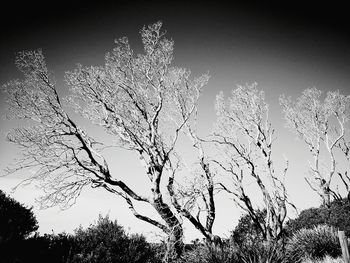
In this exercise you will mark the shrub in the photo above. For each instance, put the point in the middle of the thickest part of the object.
(308, 218)
(313, 243)
(338, 216)
(262, 252)
(246, 230)
(203, 253)
(107, 242)
(17, 222)
(47, 248)
(250, 245)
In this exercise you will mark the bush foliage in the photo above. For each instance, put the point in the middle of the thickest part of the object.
(315, 243)
(246, 230)
(259, 252)
(16, 221)
(203, 253)
(107, 242)
(338, 216)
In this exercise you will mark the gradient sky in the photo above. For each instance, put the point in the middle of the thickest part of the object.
(285, 49)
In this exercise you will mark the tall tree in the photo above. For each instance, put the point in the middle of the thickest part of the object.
(244, 136)
(322, 125)
(139, 99)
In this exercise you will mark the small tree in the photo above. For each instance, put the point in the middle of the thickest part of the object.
(247, 231)
(106, 241)
(244, 137)
(17, 222)
(322, 125)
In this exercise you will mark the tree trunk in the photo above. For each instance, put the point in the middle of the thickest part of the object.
(175, 234)
(325, 193)
(174, 246)
(344, 246)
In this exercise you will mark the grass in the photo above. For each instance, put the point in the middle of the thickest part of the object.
(315, 243)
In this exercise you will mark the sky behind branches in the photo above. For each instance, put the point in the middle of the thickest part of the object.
(285, 49)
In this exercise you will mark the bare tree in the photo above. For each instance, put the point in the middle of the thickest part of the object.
(322, 126)
(139, 99)
(244, 137)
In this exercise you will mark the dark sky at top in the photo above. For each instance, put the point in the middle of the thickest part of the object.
(77, 25)
(284, 46)
(244, 40)
(20, 17)
(21, 23)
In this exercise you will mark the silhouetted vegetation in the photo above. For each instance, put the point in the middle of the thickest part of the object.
(16, 220)
(46, 248)
(105, 241)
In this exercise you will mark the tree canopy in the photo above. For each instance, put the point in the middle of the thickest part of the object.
(322, 123)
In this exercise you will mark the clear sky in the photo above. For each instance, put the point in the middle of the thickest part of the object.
(284, 48)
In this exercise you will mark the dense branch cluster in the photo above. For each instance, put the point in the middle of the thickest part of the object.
(244, 136)
(322, 125)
